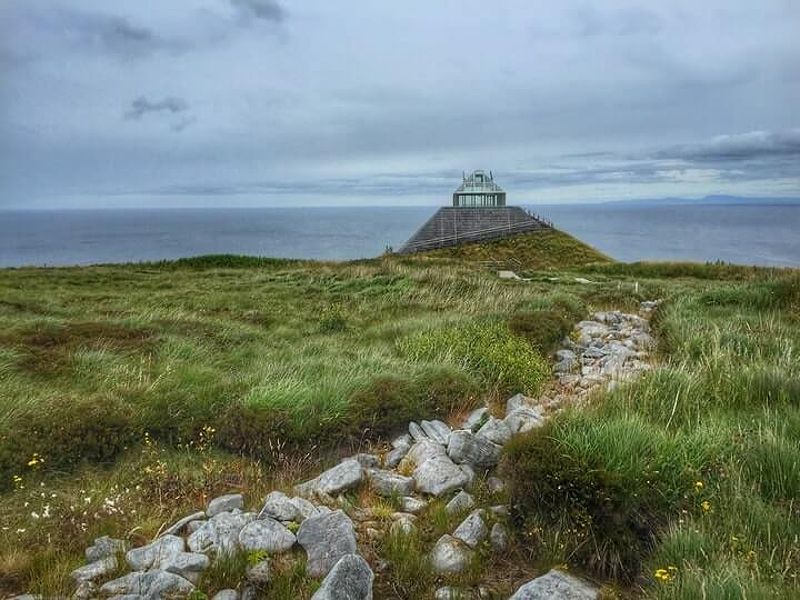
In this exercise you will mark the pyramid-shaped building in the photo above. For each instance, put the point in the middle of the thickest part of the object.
(478, 213)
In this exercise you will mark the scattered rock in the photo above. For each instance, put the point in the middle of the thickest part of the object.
(280, 507)
(412, 505)
(450, 555)
(467, 447)
(305, 509)
(498, 537)
(151, 555)
(524, 419)
(86, 590)
(387, 483)
(344, 476)
(266, 534)
(439, 475)
(438, 431)
(496, 431)
(326, 538)
(225, 503)
(349, 579)
(394, 456)
(476, 418)
(226, 595)
(472, 530)
(516, 402)
(150, 585)
(367, 461)
(104, 547)
(556, 585)
(462, 501)
(404, 441)
(448, 592)
(416, 432)
(259, 574)
(188, 565)
(495, 485)
(220, 533)
(96, 569)
(423, 450)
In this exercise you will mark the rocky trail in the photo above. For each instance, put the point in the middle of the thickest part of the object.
(321, 521)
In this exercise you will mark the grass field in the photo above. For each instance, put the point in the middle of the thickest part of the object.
(130, 393)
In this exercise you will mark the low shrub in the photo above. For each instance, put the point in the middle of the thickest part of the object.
(608, 485)
(63, 434)
(503, 360)
(544, 329)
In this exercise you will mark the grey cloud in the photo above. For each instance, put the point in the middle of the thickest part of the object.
(267, 10)
(111, 34)
(142, 106)
(743, 146)
(620, 22)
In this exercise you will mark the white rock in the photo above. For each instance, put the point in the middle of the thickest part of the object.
(224, 503)
(220, 533)
(467, 447)
(516, 402)
(266, 534)
(146, 557)
(524, 419)
(450, 555)
(495, 485)
(403, 441)
(349, 579)
(387, 483)
(104, 547)
(96, 569)
(422, 451)
(150, 585)
(260, 573)
(189, 565)
(438, 431)
(280, 507)
(412, 505)
(498, 537)
(344, 476)
(394, 456)
(326, 538)
(305, 509)
(556, 585)
(496, 431)
(476, 418)
(439, 475)
(462, 501)
(416, 432)
(472, 530)
(226, 595)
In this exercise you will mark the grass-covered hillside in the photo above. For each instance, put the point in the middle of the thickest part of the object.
(131, 393)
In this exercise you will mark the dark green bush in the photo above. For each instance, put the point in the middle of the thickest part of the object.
(391, 401)
(606, 488)
(544, 329)
(65, 434)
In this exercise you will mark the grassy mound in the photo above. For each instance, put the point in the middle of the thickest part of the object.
(540, 250)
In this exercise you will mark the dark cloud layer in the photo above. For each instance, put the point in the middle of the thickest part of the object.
(244, 101)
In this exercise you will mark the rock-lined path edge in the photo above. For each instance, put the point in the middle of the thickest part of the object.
(431, 460)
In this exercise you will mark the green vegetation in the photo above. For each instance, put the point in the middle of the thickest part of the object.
(130, 394)
(689, 476)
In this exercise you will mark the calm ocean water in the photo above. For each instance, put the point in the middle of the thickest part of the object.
(746, 234)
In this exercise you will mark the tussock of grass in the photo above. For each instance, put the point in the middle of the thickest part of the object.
(688, 476)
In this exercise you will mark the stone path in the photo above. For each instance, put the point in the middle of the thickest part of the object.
(430, 461)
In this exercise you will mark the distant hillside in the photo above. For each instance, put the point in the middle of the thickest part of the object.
(552, 249)
(712, 199)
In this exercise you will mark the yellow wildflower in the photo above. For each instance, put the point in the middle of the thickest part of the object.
(705, 505)
(35, 460)
(698, 485)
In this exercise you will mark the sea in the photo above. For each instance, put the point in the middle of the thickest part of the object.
(750, 234)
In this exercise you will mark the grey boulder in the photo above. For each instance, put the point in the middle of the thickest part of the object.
(496, 431)
(450, 555)
(349, 579)
(344, 476)
(93, 570)
(472, 530)
(220, 533)
(150, 585)
(462, 501)
(151, 555)
(472, 449)
(387, 483)
(556, 585)
(104, 547)
(224, 503)
(439, 475)
(266, 534)
(326, 539)
(438, 431)
(280, 507)
(498, 537)
(226, 595)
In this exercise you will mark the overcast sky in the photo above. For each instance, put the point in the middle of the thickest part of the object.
(261, 102)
